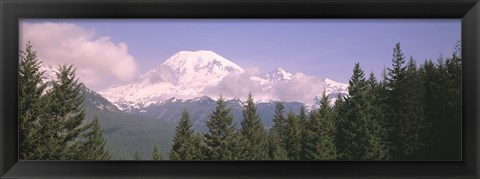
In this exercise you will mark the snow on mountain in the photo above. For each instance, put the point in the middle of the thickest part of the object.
(184, 75)
(189, 75)
(278, 75)
(335, 87)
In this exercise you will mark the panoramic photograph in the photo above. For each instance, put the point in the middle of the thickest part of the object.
(240, 89)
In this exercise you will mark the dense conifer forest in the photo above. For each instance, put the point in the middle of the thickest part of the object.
(412, 113)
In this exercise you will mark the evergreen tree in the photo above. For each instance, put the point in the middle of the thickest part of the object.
(452, 143)
(182, 147)
(63, 123)
(156, 154)
(360, 129)
(199, 147)
(30, 103)
(293, 140)
(340, 111)
(320, 133)
(253, 133)
(414, 125)
(276, 151)
(93, 147)
(220, 139)
(395, 85)
(280, 123)
(304, 124)
(443, 107)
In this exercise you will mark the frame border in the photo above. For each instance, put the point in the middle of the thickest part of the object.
(11, 11)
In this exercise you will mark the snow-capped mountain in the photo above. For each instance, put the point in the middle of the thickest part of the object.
(187, 75)
(278, 75)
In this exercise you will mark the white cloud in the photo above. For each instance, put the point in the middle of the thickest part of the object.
(100, 62)
(301, 87)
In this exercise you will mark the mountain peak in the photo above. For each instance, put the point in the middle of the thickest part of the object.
(200, 59)
(279, 74)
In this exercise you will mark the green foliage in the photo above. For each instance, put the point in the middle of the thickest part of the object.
(320, 133)
(93, 147)
(156, 154)
(360, 129)
(221, 140)
(30, 103)
(53, 123)
(280, 123)
(293, 140)
(253, 133)
(276, 151)
(183, 148)
(137, 156)
(62, 125)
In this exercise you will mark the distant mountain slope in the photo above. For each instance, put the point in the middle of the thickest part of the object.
(125, 132)
(200, 109)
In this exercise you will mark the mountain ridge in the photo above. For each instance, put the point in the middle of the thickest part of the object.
(193, 74)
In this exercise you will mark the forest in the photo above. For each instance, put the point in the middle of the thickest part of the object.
(412, 113)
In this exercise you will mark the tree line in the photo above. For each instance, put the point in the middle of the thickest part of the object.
(413, 113)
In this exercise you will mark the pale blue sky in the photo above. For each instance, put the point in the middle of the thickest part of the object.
(325, 48)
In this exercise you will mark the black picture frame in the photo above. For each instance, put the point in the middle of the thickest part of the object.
(11, 11)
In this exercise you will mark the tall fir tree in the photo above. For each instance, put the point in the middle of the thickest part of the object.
(340, 111)
(253, 133)
(182, 147)
(361, 130)
(30, 103)
(395, 86)
(320, 133)
(280, 123)
(452, 144)
(293, 140)
(62, 126)
(414, 127)
(304, 124)
(93, 145)
(221, 138)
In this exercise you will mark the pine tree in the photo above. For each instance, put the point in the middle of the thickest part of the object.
(30, 103)
(395, 85)
(280, 123)
(360, 129)
(304, 124)
(276, 151)
(93, 147)
(63, 123)
(340, 111)
(452, 143)
(293, 140)
(182, 147)
(414, 125)
(253, 133)
(156, 154)
(320, 133)
(220, 139)
(443, 107)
